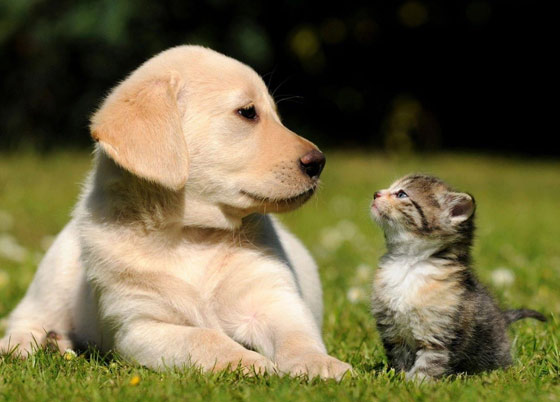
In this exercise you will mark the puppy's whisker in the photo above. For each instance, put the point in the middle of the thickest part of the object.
(290, 98)
(270, 74)
(280, 85)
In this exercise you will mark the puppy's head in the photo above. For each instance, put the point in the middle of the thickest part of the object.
(193, 120)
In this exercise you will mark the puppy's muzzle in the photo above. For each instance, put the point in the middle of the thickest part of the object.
(312, 163)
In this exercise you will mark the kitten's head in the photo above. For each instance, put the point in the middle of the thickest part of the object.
(425, 209)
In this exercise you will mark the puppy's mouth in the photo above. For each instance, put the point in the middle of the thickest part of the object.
(297, 199)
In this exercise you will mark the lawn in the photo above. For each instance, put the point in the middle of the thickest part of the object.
(517, 254)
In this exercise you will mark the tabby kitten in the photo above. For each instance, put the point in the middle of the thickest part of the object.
(433, 315)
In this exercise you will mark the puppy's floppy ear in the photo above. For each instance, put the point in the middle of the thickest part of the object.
(139, 127)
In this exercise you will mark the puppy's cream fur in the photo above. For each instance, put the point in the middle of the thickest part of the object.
(170, 258)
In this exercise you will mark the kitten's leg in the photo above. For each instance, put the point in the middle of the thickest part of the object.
(399, 356)
(429, 364)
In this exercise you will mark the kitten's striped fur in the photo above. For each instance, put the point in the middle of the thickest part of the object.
(433, 315)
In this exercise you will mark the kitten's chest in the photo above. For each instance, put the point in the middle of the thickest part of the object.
(401, 284)
(412, 300)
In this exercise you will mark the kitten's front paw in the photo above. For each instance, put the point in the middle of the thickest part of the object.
(418, 376)
(316, 365)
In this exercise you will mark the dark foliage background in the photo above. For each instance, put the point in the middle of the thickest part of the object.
(399, 75)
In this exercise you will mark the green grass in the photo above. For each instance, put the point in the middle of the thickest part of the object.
(518, 219)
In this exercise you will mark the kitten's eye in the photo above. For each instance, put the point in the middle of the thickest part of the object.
(402, 194)
(248, 112)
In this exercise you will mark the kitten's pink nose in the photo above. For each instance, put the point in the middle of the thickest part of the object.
(377, 194)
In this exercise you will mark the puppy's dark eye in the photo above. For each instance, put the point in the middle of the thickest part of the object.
(402, 194)
(249, 112)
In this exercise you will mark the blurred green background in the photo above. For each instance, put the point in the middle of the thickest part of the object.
(398, 75)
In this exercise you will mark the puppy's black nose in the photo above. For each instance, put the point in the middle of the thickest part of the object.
(312, 163)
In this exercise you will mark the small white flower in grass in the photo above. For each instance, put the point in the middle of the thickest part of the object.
(11, 249)
(364, 273)
(502, 277)
(356, 294)
(331, 238)
(69, 354)
(6, 221)
(348, 229)
(4, 278)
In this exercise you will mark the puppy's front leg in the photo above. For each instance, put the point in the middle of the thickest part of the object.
(159, 345)
(292, 338)
(296, 353)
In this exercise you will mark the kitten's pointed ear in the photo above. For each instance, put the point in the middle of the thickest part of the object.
(461, 206)
(139, 127)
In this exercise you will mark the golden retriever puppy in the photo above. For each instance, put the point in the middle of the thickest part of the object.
(170, 258)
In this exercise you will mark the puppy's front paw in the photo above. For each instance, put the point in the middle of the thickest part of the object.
(19, 345)
(316, 365)
(24, 344)
(250, 362)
